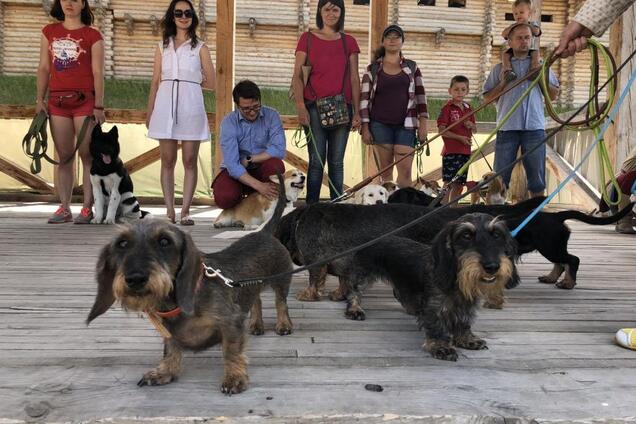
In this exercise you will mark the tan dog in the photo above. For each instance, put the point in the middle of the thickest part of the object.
(429, 187)
(390, 187)
(493, 193)
(256, 209)
(371, 194)
(518, 188)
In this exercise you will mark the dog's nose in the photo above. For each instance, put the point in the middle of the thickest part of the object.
(302, 178)
(379, 202)
(136, 280)
(490, 267)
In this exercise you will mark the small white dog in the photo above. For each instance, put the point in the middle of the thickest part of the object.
(256, 209)
(371, 194)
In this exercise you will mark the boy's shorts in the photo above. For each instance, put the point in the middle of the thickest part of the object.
(452, 163)
(59, 108)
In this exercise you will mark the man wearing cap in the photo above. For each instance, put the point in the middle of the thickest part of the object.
(525, 128)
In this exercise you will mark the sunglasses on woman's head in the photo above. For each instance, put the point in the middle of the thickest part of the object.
(188, 13)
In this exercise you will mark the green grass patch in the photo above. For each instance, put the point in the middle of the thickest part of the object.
(133, 94)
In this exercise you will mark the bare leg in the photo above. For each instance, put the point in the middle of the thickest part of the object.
(405, 166)
(384, 153)
(190, 156)
(86, 158)
(63, 132)
(168, 150)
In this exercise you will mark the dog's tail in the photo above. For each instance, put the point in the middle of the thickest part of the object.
(272, 224)
(594, 220)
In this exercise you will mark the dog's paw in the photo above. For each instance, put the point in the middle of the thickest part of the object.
(547, 279)
(156, 378)
(445, 353)
(96, 221)
(109, 221)
(472, 343)
(337, 295)
(233, 384)
(284, 328)
(257, 329)
(355, 314)
(566, 284)
(308, 295)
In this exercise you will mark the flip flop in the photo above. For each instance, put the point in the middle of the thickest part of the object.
(626, 337)
(186, 220)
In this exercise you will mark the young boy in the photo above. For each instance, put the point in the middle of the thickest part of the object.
(521, 10)
(457, 141)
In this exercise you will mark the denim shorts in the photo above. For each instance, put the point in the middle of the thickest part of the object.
(392, 134)
(452, 163)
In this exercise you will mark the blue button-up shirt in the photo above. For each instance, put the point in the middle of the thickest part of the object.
(529, 115)
(241, 138)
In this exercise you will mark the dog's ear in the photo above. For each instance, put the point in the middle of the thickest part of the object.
(274, 178)
(97, 131)
(188, 274)
(105, 274)
(113, 131)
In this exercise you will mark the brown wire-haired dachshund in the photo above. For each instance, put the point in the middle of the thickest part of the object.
(154, 267)
(440, 284)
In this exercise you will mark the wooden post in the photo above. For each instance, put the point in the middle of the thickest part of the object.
(225, 24)
(379, 10)
(626, 125)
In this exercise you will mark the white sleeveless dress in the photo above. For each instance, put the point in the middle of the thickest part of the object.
(179, 112)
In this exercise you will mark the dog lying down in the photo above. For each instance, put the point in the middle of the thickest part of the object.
(440, 284)
(256, 209)
(111, 183)
(154, 267)
(371, 194)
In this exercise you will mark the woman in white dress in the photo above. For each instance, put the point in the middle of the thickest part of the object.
(176, 112)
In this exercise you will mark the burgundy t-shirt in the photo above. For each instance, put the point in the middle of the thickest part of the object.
(391, 98)
(328, 63)
(450, 114)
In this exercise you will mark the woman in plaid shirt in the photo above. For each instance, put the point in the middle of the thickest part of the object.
(393, 106)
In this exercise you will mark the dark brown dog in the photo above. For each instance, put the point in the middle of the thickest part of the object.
(154, 267)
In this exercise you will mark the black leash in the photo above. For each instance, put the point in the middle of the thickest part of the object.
(260, 280)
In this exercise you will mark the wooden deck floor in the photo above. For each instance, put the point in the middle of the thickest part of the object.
(551, 351)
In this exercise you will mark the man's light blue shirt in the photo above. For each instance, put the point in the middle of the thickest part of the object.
(241, 138)
(529, 115)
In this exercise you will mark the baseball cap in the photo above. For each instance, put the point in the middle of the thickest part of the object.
(393, 28)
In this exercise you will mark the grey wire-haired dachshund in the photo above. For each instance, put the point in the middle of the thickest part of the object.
(154, 266)
(440, 284)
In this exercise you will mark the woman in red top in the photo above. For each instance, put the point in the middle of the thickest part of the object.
(329, 76)
(71, 69)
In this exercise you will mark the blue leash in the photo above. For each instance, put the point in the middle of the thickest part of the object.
(599, 136)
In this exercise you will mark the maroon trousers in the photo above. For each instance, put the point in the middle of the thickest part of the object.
(228, 192)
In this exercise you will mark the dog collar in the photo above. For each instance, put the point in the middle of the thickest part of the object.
(169, 314)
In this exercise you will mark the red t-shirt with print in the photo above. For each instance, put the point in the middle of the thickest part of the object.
(450, 114)
(70, 57)
(327, 59)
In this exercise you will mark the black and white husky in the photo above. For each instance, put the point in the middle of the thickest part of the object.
(110, 180)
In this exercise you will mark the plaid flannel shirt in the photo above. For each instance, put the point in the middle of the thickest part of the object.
(416, 107)
(598, 15)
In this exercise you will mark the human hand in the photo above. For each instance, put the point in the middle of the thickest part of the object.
(269, 190)
(41, 106)
(470, 125)
(466, 140)
(100, 116)
(367, 137)
(422, 136)
(303, 115)
(355, 121)
(573, 40)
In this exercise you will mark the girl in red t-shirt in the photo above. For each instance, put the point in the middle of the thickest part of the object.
(329, 76)
(71, 70)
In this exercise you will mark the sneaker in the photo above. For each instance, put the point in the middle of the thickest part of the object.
(61, 216)
(85, 216)
(626, 337)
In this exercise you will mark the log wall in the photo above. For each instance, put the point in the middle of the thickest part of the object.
(444, 41)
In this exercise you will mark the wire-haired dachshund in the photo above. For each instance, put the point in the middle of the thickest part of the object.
(154, 267)
(440, 284)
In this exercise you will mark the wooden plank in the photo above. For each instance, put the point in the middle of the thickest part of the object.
(225, 27)
(25, 177)
(584, 193)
